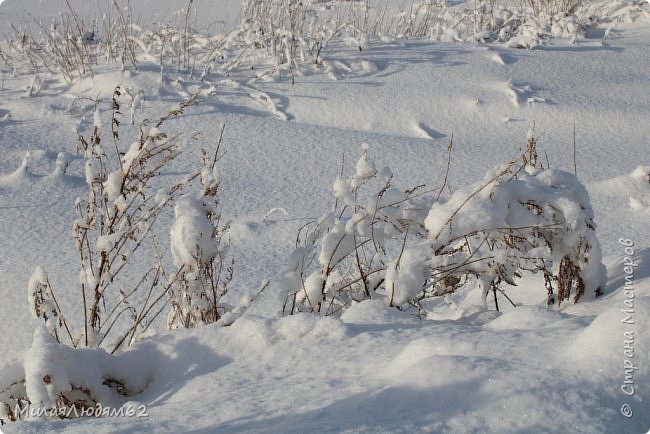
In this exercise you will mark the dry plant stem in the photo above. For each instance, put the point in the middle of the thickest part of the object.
(186, 38)
(80, 30)
(360, 268)
(115, 123)
(127, 49)
(507, 230)
(444, 182)
(575, 166)
(374, 214)
(60, 313)
(217, 157)
(341, 168)
(494, 292)
(124, 300)
(506, 296)
(144, 314)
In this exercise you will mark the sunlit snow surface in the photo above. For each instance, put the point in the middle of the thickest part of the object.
(525, 370)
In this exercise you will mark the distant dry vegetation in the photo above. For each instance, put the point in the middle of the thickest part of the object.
(279, 37)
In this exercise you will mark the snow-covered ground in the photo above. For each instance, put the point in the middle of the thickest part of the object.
(526, 369)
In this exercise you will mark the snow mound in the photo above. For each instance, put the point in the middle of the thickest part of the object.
(600, 349)
(635, 186)
(640, 191)
(5, 115)
(298, 327)
(30, 170)
(375, 312)
(418, 351)
(527, 318)
(20, 176)
(53, 371)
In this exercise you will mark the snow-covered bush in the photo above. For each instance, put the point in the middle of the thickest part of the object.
(200, 253)
(283, 35)
(407, 246)
(525, 24)
(491, 21)
(119, 297)
(342, 257)
(69, 46)
(72, 46)
(551, 8)
(518, 218)
(115, 222)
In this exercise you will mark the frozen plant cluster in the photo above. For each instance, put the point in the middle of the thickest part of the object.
(199, 250)
(115, 226)
(407, 247)
(116, 223)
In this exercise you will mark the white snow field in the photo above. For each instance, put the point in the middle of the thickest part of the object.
(466, 367)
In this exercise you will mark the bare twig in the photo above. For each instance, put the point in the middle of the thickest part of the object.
(444, 182)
